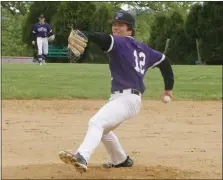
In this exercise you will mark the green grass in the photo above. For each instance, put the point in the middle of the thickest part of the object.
(28, 81)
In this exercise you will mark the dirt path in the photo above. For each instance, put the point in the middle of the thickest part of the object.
(182, 139)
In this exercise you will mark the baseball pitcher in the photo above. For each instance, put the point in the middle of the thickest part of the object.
(41, 34)
(129, 61)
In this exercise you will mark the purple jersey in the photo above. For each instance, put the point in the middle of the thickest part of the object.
(129, 61)
(42, 30)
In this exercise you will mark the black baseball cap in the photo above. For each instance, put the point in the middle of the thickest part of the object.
(125, 17)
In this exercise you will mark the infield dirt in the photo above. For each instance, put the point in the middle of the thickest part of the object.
(182, 139)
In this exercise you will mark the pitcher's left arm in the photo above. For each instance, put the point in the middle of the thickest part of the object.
(168, 76)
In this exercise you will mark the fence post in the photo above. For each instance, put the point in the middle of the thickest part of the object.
(167, 45)
(198, 51)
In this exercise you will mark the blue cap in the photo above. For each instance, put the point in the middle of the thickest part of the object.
(41, 16)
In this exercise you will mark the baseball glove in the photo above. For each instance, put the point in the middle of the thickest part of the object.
(51, 38)
(77, 42)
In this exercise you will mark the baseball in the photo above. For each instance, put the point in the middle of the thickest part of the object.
(166, 99)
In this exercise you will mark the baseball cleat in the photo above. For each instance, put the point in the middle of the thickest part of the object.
(44, 62)
(75, 160)
(127, 163)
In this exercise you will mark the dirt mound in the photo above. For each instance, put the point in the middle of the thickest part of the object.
(182, 139)
(62, 171)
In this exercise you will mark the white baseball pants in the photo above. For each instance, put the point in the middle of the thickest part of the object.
(121, 106)
(42, 44)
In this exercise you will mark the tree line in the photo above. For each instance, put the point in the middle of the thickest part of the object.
(193, 29)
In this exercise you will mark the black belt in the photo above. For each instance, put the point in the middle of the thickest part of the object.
(133, 91)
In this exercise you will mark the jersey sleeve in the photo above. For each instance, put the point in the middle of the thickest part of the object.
(49, 30)
(101, 39)
(155, 58)
(116, 43)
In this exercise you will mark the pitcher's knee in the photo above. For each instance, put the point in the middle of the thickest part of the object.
(102, 122)
(108, 136)
(96, 123)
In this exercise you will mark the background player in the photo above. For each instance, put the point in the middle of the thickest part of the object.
(41, 33)
(129, 60)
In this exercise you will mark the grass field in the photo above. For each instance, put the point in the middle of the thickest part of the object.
(29, 81)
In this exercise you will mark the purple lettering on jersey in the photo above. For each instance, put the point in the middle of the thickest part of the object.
(41, 30)
(129, 61)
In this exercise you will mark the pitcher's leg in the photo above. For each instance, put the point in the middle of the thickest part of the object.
(114, 148)
(109, 116)
(91, 140)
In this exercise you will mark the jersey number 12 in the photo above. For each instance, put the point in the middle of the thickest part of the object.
(140, 60)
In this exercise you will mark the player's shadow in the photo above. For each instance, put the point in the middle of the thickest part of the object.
(63, 171)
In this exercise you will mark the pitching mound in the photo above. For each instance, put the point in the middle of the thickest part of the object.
(62, 171)
(182, 139)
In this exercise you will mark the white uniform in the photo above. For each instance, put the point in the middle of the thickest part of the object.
(42, 44)
(41, 31)
(121, 107)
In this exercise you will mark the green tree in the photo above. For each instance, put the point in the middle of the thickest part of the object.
(178, 49)
(143, 26)
(72, 14)
(100, 23)
(155, 6)
(170, 25)
(12, 44)
(210, 29)
(191, 30)
(101, 17)
(191, 23)
(16, 7)
(204, 23)
(159, 31)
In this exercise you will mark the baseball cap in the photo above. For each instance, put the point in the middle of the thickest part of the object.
(125, 17)
(41, 16)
